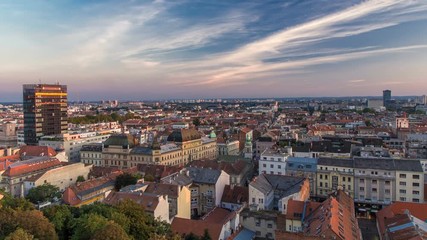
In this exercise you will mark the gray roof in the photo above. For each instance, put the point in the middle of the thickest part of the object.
(204, 175)
(94, 147)
(408, 165)
(141, 150)
(337, 162)
(281, 184)
(124, 140)
(287, 185)
(262, 184)
(374, 163)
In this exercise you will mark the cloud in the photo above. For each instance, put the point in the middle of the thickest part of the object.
(255, 57)
(357, 81)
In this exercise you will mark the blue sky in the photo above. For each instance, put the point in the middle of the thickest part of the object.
(132, 50)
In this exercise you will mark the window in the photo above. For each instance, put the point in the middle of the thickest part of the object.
(402, 183)
(415, 184)
(402, 175)
(279, 166)
(416, 176)
(402, 191)
(348, 179)
(362, 189)
(374, 181)
(374, 189)
(403, 199)
(326, 185)
(321, 184)
(321, 176)
(387, 183)
(362, 180)
(272, 165)
(264, 165)
(416, 192)
(343, 179)
(387, 191)
(415, 200)
(253, 200)
(269, 225)
(326, 177)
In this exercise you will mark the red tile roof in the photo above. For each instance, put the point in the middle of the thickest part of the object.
(183, 227)
(35, 151)
(148, 201)
(236, 194)
(418, 210)
(33, 165)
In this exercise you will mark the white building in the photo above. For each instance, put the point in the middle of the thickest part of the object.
(72, 143)
(61, 177)
(273, 161)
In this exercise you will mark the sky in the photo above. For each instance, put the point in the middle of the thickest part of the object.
(138, 50)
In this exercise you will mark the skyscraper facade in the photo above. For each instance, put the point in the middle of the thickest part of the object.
(386, 97)
(45, 111)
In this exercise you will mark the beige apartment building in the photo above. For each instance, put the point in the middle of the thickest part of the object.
(334, 174)
(123, 151)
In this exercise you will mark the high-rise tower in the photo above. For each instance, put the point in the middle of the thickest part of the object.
(45, 111)
(386, 97)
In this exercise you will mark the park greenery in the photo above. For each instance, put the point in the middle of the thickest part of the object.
(125, 221)
(43, 193)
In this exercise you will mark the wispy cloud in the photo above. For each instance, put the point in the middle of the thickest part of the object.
(357, 81)
(253, 57)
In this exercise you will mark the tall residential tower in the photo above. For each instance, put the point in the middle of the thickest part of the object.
(45, 111)
(386, 97)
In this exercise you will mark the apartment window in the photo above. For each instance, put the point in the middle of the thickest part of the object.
(279, 166)
(403, 199)
(269, 225)
(321, 176)
(415, 184)
(402, 191)
(253, 200)
(343, 179)
(374, 189)
(374, 181)
(362, 180)
(264, 165)
(387, 183)
(416, 192)
(415, 200)
(402, 175)
(402, 183)
(387, 191)
(362, 188)
(321, 184)
(326, 177)
(271, 165)
(349, 187)
(416, 176)
(348, 179)
(326, 184)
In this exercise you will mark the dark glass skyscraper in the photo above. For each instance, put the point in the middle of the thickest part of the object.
(386, 97)
(45, 111)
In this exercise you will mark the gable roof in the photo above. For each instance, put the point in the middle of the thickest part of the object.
(32, 165)
(235, 194)
(204, 175)
(148, 201)
(36, 151)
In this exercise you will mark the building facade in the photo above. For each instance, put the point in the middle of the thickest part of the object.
(45, 111)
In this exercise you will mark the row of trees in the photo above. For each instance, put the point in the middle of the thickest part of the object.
(125, 221)
(98, 118)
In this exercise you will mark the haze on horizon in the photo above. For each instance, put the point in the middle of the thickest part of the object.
(134, 50)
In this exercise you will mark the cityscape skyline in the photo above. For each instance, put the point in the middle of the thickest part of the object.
(191, 49)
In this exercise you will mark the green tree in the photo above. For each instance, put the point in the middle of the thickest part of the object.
(206, 235)
(85, 226)
(191, 236)
(149, 178)
(141, 224)
(45, 192)
(19, 234)
(196, 122)
(15, 203)
(124, 180)
(111, 231)
(60, 216)
(36, 224)
(80, 179)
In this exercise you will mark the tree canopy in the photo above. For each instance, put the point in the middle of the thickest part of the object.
(43, 193)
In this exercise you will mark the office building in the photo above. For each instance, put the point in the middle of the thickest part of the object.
(386, 97)
(45, 111)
